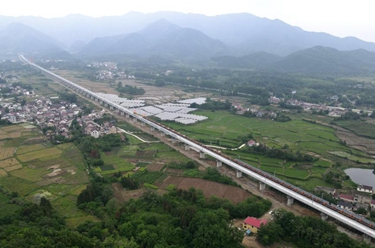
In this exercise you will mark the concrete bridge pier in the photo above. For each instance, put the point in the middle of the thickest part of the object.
(101, 102)
(162, 134)
(219, 163)
(290, 200)
(111, 107)
(262, 186)
(366, 239)
(202, 155)
(143, 124)
(127, 116)
(323, 216)
(187, 147)
(152, 129)
(121, 113)
(238, 174)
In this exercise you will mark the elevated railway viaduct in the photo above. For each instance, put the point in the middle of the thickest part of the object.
(293, 193)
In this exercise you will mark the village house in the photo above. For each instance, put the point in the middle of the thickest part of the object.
(251, 143)
(345, 205)
(362, 198)
(372, 204)
(346, 197)
(364, 188)
(326, 190)
(95, 134)
(253, 224)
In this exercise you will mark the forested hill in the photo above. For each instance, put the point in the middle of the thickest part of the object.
(315, 61)
(19, 38)
(161, 38)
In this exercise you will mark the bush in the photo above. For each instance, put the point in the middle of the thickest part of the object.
(151, 186)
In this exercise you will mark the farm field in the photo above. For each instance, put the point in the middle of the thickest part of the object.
(358, 127)
(33, 167)
(126, 158)
(225, 129)
(233, 194)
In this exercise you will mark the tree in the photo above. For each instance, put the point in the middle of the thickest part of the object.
(270, 233)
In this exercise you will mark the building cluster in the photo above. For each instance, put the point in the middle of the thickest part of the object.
(109, 70)
(333, 111)
(360, 199)
(7, 90)
(257, 112)
(90, 127)
(43, 112)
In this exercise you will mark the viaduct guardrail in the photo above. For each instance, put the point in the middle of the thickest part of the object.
(349, 218)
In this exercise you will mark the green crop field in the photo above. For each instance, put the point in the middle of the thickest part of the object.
(225, 129)
(361, 128)
(47, 152)
(352, 157)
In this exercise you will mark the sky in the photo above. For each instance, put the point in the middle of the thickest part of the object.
(338, 17)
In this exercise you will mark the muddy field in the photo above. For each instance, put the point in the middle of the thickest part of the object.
(360, 143)
(123, 195)
(155, 166)
(233, 194)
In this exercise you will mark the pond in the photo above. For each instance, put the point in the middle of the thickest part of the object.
(361, 176)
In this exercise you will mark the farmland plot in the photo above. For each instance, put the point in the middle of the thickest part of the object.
(6, 152)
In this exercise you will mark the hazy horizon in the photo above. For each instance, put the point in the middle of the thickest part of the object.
(339, 18)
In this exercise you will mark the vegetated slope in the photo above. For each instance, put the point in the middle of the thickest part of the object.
(328, 61)
(161, 38)
(256, 60)
(19, 38)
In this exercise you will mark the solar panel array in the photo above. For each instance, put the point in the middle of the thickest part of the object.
(124, 102)
(178, 112)
(199, 100)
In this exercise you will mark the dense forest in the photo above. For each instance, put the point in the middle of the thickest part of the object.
(178, 219)
(304, 232)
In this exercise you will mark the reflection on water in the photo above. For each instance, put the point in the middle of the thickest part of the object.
(361, 176)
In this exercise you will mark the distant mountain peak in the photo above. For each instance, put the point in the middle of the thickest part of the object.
(161, 25)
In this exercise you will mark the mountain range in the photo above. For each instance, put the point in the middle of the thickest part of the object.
(232, 40)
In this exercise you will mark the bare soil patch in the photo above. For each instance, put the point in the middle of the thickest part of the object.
(233, 194)
(45, 182)
(155, 166)
(54, 173)
(174, 171)
(145, 153)
(360, 143)
(123, 195)
(36, 140)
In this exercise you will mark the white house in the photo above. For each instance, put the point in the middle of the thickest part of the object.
(95, 134)
(364, 188)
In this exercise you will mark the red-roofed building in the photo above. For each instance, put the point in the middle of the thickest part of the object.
(251, 143)
(373, 204)
(347, 198)
(253, 224)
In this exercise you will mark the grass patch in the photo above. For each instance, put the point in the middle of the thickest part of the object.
(352, 157)
(32, 175)
(107, 167)
(16, 184)
(6, 208)
(29, 148)
(52, 152)
(151, 186)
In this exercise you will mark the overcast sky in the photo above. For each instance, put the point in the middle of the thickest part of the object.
(338, 17)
